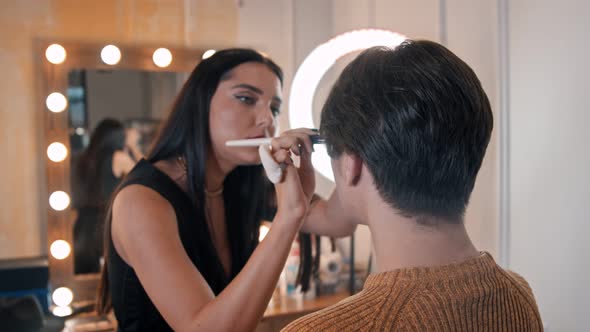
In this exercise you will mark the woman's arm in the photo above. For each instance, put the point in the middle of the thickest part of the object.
(145, 234)
(324, 218)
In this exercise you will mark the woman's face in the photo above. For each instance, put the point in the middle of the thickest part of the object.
(244, 105)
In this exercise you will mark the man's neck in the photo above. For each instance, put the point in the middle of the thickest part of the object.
(401, 242)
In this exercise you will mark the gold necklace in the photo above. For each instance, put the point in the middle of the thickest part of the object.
(212, 193)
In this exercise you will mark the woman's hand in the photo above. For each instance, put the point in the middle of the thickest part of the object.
(297, 186)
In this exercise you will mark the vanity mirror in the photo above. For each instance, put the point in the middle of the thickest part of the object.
(126, 91)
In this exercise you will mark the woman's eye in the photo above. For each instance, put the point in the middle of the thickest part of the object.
(275, 111)
(246, 100)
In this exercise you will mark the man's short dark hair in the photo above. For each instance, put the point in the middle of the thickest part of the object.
(420, 120)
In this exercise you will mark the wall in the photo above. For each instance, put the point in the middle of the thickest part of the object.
(193, 23)
(471, 33)
(549, 159)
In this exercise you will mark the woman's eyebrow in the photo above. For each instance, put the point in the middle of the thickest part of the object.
(248, 87)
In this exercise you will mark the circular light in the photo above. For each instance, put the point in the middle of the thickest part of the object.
(62, 311)
(57, 152)
(56, 102)
(110, 54)
(263, 231)
(59, 200)
(60, 249)
(80, 131)
(62, 296)
(208, 54)
(312, 70)
(55, 54)
(162, 57)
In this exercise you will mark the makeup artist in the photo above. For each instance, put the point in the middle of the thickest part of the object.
(181, 238)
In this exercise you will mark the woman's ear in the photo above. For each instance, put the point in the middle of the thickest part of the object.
(353, 166)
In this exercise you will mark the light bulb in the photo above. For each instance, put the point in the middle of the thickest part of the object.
(60, 249)
(62, 296)
(162, 57)
(55, 54)
(208, 54)
(110, 54)
(56, 102)
(59, 200)
(57, 152)
(62, 311)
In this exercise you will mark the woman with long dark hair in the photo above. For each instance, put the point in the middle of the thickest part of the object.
(96, 174)
(181, 236)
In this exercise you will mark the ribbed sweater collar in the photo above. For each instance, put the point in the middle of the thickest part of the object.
(479, 265)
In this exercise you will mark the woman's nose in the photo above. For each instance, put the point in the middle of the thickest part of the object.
(265, 117)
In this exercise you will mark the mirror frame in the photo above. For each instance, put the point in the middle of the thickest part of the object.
(55, 126)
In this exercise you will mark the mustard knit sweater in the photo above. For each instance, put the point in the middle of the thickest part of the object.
(475, 295)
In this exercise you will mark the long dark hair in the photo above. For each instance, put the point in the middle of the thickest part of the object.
(186, 134)
(108, 137)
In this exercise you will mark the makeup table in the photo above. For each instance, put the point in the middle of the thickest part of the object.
(278, 314)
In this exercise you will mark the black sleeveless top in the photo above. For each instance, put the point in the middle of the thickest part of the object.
(133, 308)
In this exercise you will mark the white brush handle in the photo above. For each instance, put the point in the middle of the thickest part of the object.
(315, 139)
(249, 142)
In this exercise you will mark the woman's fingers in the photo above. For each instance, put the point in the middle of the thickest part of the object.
(282, 156)
(286, 142)
(298, 142)
(294, 140)
(303, 134)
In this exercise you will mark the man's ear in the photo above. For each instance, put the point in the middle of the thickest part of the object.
(353, 166)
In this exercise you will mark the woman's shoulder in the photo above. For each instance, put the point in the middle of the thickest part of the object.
(149, 175)
(141, 198)
(137, 209)
(147, 184)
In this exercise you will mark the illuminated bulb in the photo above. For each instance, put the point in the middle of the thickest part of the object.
(59, 200)
(60, 249)
(62, 296)
(263, 231)
(208, 54)
(162, 57)
(80, 131)
(55, 54)
(61, 311)
(56, 102)
(110, 54)
(57, 152)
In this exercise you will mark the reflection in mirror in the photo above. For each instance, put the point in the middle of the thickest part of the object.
(113, 118)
